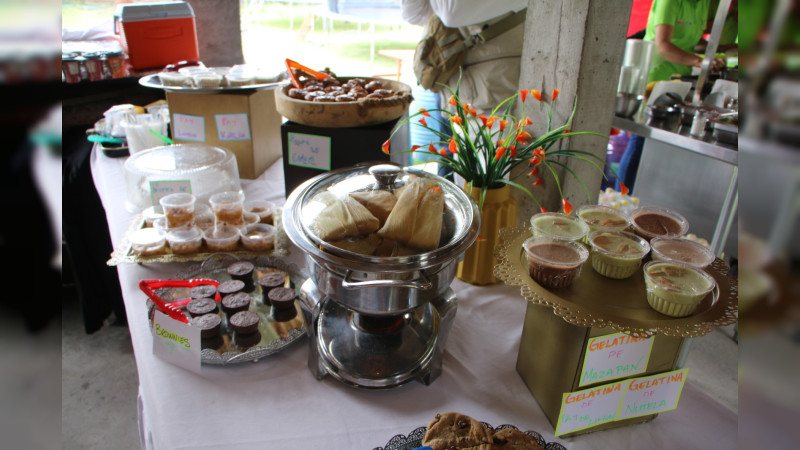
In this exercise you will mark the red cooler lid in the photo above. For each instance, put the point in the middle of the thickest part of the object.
(149, 11)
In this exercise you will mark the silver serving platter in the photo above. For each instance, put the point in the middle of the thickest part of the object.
(153, 81)
(275, 335)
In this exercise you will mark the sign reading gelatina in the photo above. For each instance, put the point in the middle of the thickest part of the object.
(620, 400)
(614, 356)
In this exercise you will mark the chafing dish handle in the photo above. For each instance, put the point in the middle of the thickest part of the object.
(422, 283)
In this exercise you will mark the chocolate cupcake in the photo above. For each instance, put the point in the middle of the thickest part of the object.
(201, 306)
(231, 304)
(244, 322)
(282, 298)
(243, 271)
(230, 287)
(209, 325)
(203, 291)
(270, 281)
(246, 340)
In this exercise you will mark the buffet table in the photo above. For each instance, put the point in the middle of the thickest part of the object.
(277, 402)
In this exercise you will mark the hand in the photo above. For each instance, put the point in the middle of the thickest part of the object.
(718, 64)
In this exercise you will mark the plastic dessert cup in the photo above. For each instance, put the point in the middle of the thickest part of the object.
(259, 237)
(204, 220)
(174, 79)
(603, 218)
(222, 238)
(681, 250)
(655, 221)
(185, 240)
(617, 254)
(249, 219)
(263, 208)
(207, 80)
(675, 289)
(228, 207)
(558, 225)
(178, 209)
(148, 241)
(554, 263)
(151, 214)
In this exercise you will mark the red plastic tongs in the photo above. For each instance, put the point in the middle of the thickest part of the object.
(290, 65)
(172, 309)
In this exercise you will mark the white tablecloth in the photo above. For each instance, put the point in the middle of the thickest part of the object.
(278, 403)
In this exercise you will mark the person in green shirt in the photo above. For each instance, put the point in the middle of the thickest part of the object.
(676, 27)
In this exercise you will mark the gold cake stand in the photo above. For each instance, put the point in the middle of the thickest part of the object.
(594, 301)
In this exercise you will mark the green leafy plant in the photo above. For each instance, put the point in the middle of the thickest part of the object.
(485, 150)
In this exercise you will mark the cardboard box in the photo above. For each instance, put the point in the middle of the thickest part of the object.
(244, 122)
(551, 356)
(156, 34)
(310, 151)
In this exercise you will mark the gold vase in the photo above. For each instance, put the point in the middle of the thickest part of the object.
(499, 211)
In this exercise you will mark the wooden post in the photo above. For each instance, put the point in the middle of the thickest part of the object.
(577, 47)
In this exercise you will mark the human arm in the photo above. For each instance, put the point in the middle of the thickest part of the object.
(415, 12)
(674, 54)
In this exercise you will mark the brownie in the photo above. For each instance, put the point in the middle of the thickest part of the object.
(246, 340)
(209, 325)
(243, 271)
(282, 298)
(244, 322)
(214, 343)
(234, 303)
(201, 306)
(230, 287)
(270, 281)
(283, 315)
(203, 291)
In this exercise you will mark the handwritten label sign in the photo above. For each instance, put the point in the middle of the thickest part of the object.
(189, 128)
(614, 356)
(162, 188)
(584, 409)
(620, 400)
(176, 342)
(308, 150)
(232, 127)
(651, 395)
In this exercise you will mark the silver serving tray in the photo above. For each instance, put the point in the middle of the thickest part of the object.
(153, 81)
(276, 336)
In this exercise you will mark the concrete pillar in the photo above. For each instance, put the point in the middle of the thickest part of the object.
(219, 34)
(577, 47)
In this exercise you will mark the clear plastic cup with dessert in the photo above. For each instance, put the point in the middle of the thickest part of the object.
(178, 209)
(228, 208)
(681, 250)
(617, 254)
(603, 218)
(186, 240)
(553, 262)
(676, 289)
(259, 237)
(204, 218)
(263, 208)
(222, 238)
(152, 213)
(207, 80)
(249, 219)
(559, 226)
(148, 241)
(656, 221)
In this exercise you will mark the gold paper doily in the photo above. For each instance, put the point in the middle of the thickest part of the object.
(122, 254)
(600, 302)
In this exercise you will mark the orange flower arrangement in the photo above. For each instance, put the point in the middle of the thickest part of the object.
(484, 150)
